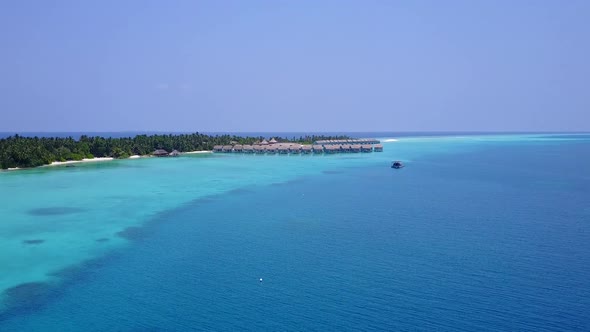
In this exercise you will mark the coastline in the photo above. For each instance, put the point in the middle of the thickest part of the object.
(198, 152)
(92, 160)
(85, 160)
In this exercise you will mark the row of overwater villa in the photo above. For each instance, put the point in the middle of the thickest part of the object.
(318, 147)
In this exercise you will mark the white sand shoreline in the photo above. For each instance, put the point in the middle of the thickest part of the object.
(85, 160)
(198, 152)
(92, 160)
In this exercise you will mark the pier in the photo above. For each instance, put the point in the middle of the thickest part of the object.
(361, 145)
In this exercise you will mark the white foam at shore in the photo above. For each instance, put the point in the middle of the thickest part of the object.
(391, 140)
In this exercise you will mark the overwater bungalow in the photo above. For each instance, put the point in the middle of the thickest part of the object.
(258, 149)
(317, 148)
(174, 153)
(247, 149)
(160, 153)
(283, 149)
(273, 146)
(331, 149)
(348, 141)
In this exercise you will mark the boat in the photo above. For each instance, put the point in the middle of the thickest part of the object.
(397, 164)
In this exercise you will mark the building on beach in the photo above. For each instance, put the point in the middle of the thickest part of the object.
(160, 153)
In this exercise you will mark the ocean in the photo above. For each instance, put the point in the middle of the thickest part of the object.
(476, 233)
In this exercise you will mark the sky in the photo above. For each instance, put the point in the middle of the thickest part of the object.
(214, 66)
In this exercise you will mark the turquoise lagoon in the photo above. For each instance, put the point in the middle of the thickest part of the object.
(478, 232)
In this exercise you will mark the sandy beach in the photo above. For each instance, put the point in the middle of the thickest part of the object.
(92, 160)
(85, 160)
(196, 152)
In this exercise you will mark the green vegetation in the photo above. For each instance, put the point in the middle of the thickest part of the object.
(19, 151)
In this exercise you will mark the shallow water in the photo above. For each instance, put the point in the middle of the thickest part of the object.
(476, 233)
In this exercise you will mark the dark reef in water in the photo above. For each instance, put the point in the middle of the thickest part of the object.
(103, 239)
(27, 296)
(36, 241)
(54, 211)
(133, 233)
(79, 271)
(240, 191)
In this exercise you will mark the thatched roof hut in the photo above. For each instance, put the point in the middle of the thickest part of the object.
(160, 153)
(283, 149)
(218, 148)
(348, 141)
(238, 148)
(366, 148)
(331, 149)
(174, 153)
(378, 148)
(264, 142)
(227, 148)
(247, 148)
(272, 141)
(295, 148)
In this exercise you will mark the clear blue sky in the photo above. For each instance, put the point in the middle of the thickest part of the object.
(295, 65)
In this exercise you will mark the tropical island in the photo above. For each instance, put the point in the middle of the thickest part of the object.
(22, 152)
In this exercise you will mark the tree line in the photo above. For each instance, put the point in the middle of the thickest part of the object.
(21, 151)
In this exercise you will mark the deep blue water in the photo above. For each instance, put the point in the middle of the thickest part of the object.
(496, 238)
